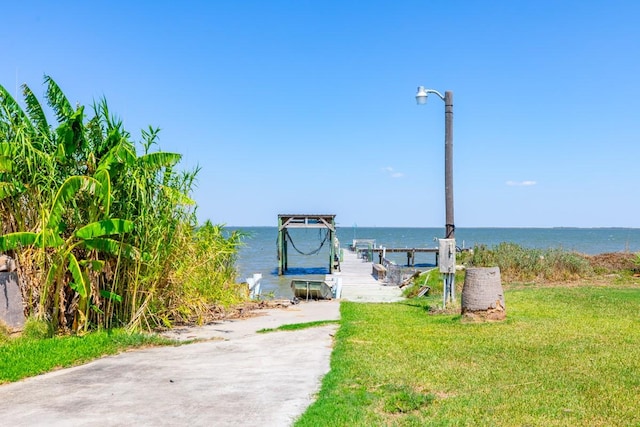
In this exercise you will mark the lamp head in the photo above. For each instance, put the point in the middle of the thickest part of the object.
(421, 96)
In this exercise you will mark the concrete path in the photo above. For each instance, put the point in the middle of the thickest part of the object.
(237, 378)
(241, 379)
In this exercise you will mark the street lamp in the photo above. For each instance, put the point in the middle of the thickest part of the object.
(421, 99)
(447, 250)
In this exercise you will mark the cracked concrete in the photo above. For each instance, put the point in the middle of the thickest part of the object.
(236, 378)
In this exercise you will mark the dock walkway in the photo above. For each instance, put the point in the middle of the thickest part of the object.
(359, 285)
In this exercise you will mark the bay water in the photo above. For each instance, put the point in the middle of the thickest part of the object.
(259, 253)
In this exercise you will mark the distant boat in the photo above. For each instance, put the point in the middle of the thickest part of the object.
(311, 289)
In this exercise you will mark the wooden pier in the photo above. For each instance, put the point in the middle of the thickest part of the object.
(358, 283)
(411, 253)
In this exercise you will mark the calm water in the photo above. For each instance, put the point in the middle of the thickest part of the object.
(259, 255)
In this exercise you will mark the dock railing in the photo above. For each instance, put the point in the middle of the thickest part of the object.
(362, 244)
(396, 274)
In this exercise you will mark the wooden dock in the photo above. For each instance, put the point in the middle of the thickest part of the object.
(411, 253)
(358, 283)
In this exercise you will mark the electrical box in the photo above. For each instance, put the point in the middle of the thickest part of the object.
(447, 255)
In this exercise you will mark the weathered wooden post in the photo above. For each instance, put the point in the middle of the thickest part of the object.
(281, 252)
(332, 251)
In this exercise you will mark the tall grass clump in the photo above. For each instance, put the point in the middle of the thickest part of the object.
(5, 333)
(518, 263)
(203, 274)
(101, 226)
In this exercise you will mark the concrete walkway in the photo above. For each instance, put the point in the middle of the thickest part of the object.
(236, 378)
(359, 285)
(241, 379)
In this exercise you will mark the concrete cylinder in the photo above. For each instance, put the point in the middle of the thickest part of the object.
(482, 294)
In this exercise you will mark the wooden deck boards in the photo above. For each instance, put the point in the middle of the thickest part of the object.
(359, 285)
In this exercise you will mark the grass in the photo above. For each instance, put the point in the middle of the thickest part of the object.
(299, 326)
(565, 356)
(26, 357)
(37, 352)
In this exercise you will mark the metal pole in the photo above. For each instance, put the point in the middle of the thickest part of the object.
(448, 165)
(445, 291)
(280, 247)
(332, 253)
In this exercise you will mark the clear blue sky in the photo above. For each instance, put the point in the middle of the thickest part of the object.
(308, 106)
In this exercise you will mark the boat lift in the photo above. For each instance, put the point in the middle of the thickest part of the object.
(286, 221)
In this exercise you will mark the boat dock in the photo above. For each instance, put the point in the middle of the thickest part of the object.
(352, 273)
(358, 283)
(411, 253)
(367, 249)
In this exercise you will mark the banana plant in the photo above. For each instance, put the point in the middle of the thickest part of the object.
(65, 267)
(64, 182)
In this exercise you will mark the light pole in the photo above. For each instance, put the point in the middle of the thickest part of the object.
(421, 98)
(447, 246)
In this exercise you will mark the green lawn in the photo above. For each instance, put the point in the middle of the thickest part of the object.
(24, 357)
(299, 326)
(565, 356)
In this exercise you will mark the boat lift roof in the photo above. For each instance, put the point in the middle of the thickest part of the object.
(307, 221)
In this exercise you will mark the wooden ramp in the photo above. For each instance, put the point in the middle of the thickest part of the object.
(359, 285)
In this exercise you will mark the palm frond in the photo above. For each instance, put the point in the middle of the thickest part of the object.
(67, 191)
(35, 112)
(6, 164)
(112, 247)
(57, 100)
(15, 240)
(79, 283)
(123, 153)
(104, 228)
(158, 160)
(93, 264)
(104, 178)
(12, 112)
(48, 239)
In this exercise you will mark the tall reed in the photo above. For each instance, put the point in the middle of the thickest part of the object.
(518, 263)
(101, 225)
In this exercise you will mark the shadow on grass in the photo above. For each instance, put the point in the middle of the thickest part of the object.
(433, 308)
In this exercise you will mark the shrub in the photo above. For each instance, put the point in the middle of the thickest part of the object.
(518, 263)
(5, 333)
(100, 224)
(37, 329)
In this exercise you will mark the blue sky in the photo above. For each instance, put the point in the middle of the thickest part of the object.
(308, 106)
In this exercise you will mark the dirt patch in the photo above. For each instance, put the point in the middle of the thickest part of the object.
(480, 316)
(613, 262)
(244, 310)
(437, 309)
